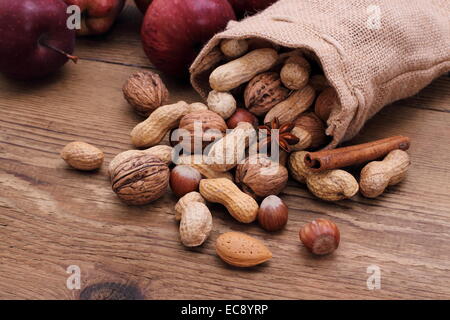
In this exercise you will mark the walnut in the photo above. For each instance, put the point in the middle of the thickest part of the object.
(263, 92)
(259, 176)
(205, 126)
(145, 92)
(138, 177)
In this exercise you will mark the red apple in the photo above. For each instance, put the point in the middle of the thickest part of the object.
(243, 7)
(174, 31)
(98, 16)
(34, 38)
(143, 5)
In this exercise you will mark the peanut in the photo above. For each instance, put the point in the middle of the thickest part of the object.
(184, 201)
(195, 225)
(226, 153)
(295, 73)
(198, 106)
(151, 131)
(163, 152)
(233, 49)
(82, 156)
(236, 72)
(239, 204)
(376, 176)
(201, 163)
(297, 167)
(331, 185)
(289, 109)
(222, 103)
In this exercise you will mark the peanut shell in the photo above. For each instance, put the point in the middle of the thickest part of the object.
(234, 73)
(196, 224)
(82, 156)
(239, 204)
(333, 185)
(289, 109)
(181, 205)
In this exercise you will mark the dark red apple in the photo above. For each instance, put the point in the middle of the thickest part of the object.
(174, 31)
(248, 7)
(34, 38)
(97, 16)
(143, 5)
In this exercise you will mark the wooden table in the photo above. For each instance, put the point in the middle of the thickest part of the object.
(52, 217)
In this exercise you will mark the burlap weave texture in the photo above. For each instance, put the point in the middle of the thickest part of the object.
(369, 65)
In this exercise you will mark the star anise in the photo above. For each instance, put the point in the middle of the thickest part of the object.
(285, 137)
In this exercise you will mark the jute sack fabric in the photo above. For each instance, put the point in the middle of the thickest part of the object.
(370, 60)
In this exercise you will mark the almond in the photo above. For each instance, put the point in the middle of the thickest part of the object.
(241, 250)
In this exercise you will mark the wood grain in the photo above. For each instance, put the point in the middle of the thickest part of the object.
(52, 216)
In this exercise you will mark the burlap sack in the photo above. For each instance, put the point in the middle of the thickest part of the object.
(370, 64)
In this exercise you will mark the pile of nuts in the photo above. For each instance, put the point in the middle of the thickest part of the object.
(262, 86)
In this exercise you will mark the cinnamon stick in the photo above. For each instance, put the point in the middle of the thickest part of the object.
(358, 154)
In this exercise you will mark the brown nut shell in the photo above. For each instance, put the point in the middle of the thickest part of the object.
(272, 214)
(145, 91)
(320, 236)
(263, 92)
(259, 176)
(241, 115)
(325, 103)
(311, 123)
(184, 179)
(211, 126)
(241, 250)
(82, 156)
(139, 179)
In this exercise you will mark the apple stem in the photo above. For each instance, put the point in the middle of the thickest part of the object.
(69, 56)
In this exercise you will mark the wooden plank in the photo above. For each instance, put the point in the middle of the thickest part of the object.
(434, 97)
(52, 216)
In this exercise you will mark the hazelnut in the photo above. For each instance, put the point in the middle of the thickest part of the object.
(263, 92)
(319, 82)
(273, 213)
(259, 176)
(184, 179)
(241, 115)
(145, 92)
(222, 103)
(325, 103)
(310, 130)
(320, 236)
(203, 126)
